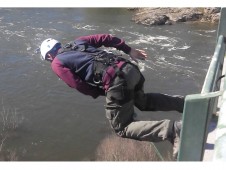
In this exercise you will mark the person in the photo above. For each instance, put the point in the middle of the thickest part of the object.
(82, 65)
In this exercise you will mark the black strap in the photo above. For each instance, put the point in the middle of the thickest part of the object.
(219, 78)
(72, 46)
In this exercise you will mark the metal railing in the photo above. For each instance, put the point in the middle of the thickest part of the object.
(198, 108)
(219, 149)
(220, 141)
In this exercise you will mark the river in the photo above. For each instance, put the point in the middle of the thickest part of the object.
(60, 124)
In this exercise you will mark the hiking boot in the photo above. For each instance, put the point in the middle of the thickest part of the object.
(176, 138)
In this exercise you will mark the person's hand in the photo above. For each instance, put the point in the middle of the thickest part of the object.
(137, 54)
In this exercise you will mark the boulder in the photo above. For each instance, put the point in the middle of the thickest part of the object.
(162, 16)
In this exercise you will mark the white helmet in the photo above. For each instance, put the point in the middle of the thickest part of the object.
(46, 46)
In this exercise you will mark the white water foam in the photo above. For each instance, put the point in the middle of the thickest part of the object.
(85, 27)
(179, 48)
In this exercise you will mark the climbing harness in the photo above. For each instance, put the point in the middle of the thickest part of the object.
(102, 60)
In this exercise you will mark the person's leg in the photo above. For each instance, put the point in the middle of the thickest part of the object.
(119, 98)
(165, 129)
(158, 102)
(175, 138)
(120, 110)
(121, 119)
(153, 131)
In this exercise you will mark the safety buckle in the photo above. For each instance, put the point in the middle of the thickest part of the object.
(97, 79)
(68, 45)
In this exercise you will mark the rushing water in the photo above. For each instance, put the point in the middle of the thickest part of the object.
(58, 122)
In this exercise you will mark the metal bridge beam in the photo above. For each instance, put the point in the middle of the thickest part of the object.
(199, 108)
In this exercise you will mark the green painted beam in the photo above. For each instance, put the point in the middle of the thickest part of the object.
(222, 23)
(215, 69)
(193, 134)
(220, 147)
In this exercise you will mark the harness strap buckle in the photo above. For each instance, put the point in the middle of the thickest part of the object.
(97, 79)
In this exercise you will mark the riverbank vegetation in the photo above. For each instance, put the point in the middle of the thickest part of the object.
(114, 148)
(10, 120)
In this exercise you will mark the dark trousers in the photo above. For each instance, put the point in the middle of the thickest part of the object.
(125, 92)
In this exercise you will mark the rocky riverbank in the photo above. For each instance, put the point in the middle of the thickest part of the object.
(169, 16)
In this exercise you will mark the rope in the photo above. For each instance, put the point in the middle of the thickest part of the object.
(157, 152)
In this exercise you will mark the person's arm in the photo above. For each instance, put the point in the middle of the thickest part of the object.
(108, 40)
(74, 81)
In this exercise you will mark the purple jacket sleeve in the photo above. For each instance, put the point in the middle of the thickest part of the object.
(74, 81)
(106, 40)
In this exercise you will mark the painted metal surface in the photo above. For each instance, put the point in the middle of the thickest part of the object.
(199, 108)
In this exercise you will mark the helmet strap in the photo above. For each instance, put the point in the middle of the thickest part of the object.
(49, 57)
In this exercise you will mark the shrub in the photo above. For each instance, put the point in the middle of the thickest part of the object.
(114, 148)
(9, 122)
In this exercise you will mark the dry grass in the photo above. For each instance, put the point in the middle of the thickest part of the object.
(114, 148)
(9, 122)
(8, 155)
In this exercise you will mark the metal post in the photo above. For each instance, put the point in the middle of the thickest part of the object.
(222, 23)
(220, 147)
(193, 134)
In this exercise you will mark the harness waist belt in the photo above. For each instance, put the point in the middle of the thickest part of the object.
(110, 74)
